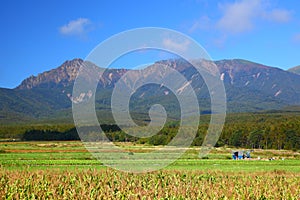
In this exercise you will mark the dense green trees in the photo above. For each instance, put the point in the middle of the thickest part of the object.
(48, 135)
(266, 131)
(260, 130)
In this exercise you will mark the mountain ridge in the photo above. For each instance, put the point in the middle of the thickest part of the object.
(295, 70)
(63, 74)
(249, 87)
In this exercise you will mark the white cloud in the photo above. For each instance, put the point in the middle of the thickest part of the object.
(176, 45)
(239, 16)
(78, 27)
(278, 15)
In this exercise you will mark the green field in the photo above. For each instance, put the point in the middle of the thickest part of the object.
(66, 155)
(67, 170)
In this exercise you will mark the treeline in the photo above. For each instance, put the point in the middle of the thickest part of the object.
(265, 131)
(50, 135)
(18, 131)
(57, 132)
(272, 137)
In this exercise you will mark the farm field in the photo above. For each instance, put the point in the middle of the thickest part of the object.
(66, 170)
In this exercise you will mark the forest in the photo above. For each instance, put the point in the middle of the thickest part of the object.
(274, 130)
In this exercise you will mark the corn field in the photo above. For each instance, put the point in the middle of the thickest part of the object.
(167, 184)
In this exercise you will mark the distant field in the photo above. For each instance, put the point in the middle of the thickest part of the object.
(73, 155)
(58, 170)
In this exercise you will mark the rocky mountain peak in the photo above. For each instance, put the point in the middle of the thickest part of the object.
(63, 75)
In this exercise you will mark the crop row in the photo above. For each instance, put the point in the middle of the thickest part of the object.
(167, 184)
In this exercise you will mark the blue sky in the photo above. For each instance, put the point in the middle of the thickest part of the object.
(40, 35)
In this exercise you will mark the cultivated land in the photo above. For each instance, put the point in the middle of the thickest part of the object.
(58, 170)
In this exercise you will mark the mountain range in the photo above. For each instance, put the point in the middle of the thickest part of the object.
(250, 87)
